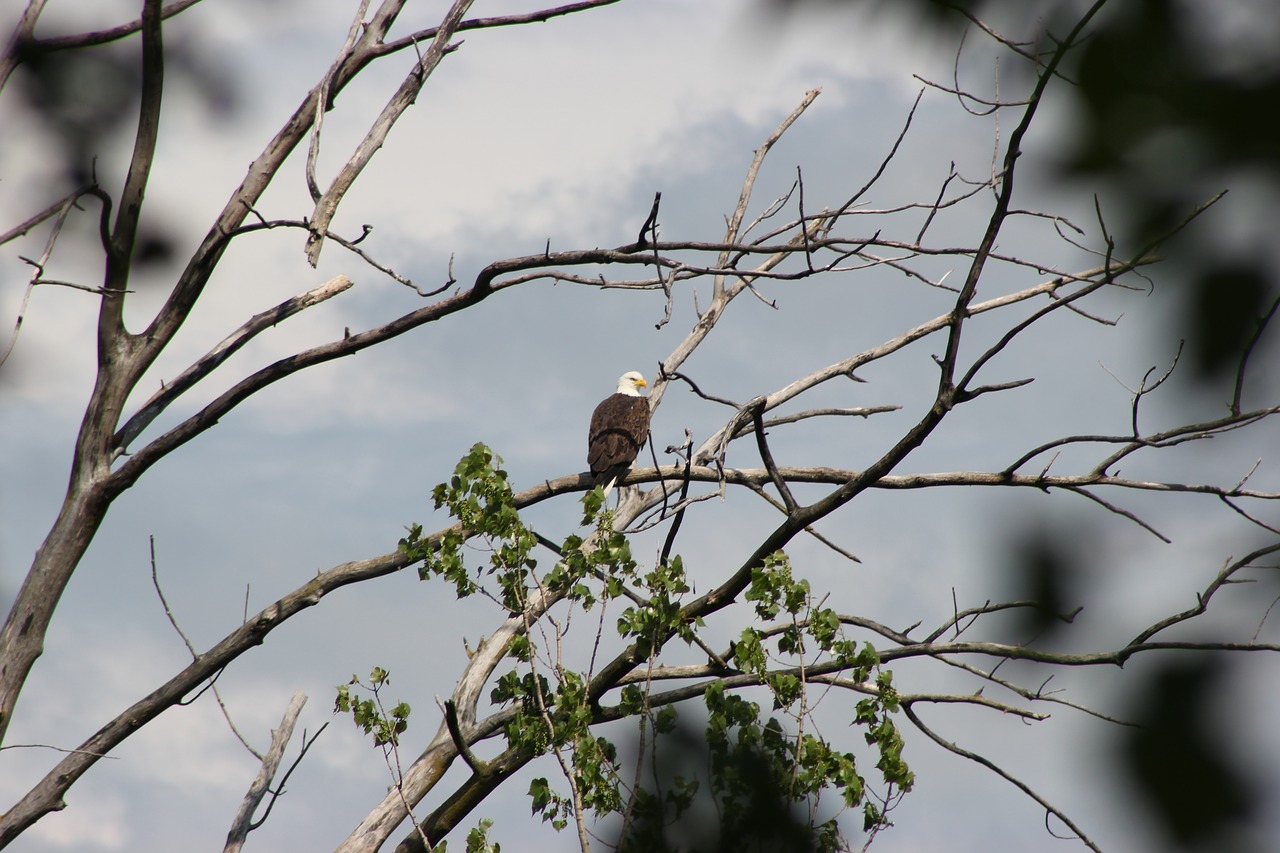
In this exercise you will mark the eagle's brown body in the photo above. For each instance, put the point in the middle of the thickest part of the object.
(619, 428)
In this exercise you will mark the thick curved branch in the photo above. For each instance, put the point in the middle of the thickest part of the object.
(47, 795)
(483, 287)
(85, 505)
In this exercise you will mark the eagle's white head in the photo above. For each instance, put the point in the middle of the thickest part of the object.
(630, 384)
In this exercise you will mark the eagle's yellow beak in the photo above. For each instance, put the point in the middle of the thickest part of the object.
(642, 383)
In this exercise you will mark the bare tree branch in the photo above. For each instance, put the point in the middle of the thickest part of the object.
(22, 635)
(61, 209)
(243, 822)
(1001, 772)
(327, 205)
(495, 21)
(220, 353)
(1262, 323)
(21, 37)
(32, 45)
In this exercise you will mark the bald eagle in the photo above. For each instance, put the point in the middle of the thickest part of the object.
(619, 428)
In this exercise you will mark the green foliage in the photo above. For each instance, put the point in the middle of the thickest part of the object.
(860, 662)
(595, 765)
(592, 504)
(753, 760)
(758, 769)
(369, 714)
(784, 603)
(608, 559)
(659, 617)
(528, 729)
(478, 839)
(665, 720)
(479, 496)
(546, 802)
(773, 589)
(873, 713)
(633, 701)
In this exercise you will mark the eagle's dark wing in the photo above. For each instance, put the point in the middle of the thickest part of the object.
(619, 428)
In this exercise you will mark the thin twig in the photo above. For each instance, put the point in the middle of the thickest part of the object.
(1244, 358)
(226, 714)
(999, 771)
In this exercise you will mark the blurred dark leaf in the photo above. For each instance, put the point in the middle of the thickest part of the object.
(82, 96)
(1179, 760)
(1147, 82)
(1172, 104)
(1222, 309)
(1042, 565)
(153, 248)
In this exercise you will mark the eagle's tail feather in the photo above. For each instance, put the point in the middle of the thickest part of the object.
(608, 478)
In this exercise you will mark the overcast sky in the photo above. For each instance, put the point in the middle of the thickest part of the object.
(558, 132)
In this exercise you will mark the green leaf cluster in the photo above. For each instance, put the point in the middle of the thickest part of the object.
(528, 729)
(479, 495)
(608, 558)
(551, 805)
(659, 616)
(477, 839)
(368, 713)
(595, 776)
(749, 756)
(784, 603)
(873, 713)
(795, 626)
(565, 724)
